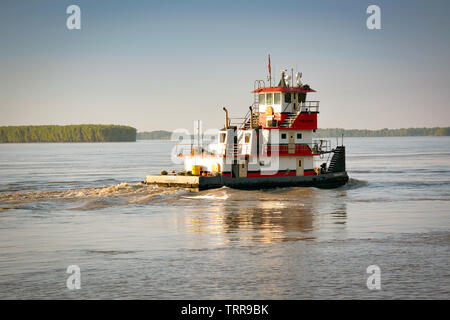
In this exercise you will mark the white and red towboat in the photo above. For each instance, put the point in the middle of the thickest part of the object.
(272, 146)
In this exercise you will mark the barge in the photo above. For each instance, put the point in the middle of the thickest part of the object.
(272, 146)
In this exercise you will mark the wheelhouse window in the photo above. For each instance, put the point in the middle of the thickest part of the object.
(269, 98)
(283, 136)
(262, 98)
(299, 135)
(287, 97)
(247, 138)
(277, 98)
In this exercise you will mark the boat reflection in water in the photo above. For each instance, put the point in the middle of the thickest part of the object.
(287, 214)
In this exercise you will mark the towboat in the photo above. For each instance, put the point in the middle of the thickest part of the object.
(272, 146)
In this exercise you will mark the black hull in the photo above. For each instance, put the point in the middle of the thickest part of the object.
(198, 183)
(324, 181)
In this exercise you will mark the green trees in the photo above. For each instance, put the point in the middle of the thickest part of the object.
(70, 133)
(154, 135)
(333, 132)
(113, 133)
(442, 132)
(337, 132)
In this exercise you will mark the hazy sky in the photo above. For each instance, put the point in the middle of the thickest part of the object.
(162, 65)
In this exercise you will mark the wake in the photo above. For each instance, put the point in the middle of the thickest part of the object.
(134, 192)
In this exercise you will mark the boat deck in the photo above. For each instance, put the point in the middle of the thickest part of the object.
(198, 183)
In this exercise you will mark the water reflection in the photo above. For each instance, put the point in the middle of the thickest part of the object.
(288, 214)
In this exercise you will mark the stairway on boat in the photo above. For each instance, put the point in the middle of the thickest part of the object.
(337, 163)
(289, 120)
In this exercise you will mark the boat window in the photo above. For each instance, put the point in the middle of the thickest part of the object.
(287, 97)
(247, 137)
(262, 98)
(299, 163)
(299, 135)
(277, 98)
(283, 136)
(222, 137)
(269, 98)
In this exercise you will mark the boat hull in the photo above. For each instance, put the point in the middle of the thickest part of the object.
(198, 183)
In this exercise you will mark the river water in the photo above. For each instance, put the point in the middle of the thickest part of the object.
(83, 204)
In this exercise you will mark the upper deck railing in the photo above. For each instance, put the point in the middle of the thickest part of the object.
(316, 147)
(309, 106)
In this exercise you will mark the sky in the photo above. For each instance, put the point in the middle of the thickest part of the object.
(161, 65)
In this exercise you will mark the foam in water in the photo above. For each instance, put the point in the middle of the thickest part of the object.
(97, 197)
(209, 197)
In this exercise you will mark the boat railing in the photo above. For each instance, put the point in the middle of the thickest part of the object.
(192, 149)
(259, 84)
(246, 119)
(316, 147)
(321, 145)
(285, 148)
(305, 106)
(238, 122)
(246, 122)
(218, 150)
(309, 106)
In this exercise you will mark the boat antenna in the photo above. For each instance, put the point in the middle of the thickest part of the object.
(270, 72)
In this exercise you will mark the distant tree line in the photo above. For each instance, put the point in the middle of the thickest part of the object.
(337, 132)
(69, 133)
(154, 135)
(332, 132)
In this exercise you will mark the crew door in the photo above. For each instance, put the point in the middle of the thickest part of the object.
(291, 146)
(300, 170)
(243, 169)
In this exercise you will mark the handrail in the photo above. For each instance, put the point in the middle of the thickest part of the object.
(247, 115)
(317, 146)
(245, 119)
(309, 106)
(324, 145)
(257, 84)
(284, 148)
(312, 106)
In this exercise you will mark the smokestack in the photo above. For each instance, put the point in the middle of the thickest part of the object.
(226, 117)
